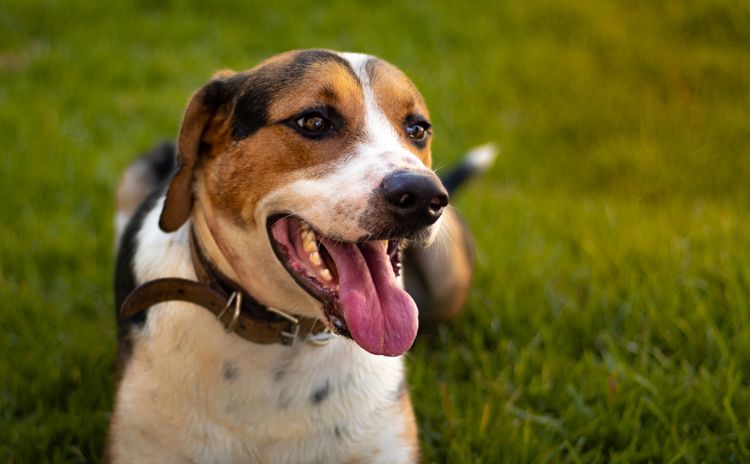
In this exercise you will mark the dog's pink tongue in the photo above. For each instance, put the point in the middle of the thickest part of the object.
(381, 316)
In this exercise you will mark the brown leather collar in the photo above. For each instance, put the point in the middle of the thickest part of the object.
(237, 311)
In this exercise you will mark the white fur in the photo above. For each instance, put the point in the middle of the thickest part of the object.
(481, 157)
(174, 403)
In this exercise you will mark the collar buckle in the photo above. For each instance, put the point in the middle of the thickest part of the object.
(236, 298)
(321, 338)
(289, 337)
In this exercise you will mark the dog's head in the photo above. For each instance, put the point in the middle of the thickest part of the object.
(308, 171)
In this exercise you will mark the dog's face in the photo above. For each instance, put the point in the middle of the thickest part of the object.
(309, 170)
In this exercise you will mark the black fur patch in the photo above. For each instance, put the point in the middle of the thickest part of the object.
(221, 90)
(261, 87)
(161, 163)
(125, 275)
(230, 371)
(251, 110)
(319, 395)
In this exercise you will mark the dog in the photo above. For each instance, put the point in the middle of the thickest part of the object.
(261, 310)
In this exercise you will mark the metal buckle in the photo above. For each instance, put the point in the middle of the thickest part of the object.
(290, 337)
(235, 297)
(320, 338)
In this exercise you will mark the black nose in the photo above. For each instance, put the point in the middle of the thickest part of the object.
(416, 199)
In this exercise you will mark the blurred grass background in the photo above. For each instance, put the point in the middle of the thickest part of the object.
(610, 318)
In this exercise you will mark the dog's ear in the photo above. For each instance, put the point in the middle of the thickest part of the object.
(200, 110)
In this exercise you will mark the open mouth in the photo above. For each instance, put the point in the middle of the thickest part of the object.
(355, 281)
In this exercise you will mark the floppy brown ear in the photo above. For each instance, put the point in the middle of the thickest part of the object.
(200, 110)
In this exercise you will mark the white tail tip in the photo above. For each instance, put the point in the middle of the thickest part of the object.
(482, 156)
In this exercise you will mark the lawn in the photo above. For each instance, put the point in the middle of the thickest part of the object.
(610, 316)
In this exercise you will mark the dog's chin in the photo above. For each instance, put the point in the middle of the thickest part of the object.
(355, 281)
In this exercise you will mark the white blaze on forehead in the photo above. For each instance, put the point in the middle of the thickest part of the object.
(382, 138)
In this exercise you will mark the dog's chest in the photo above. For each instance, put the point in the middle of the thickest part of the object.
(265, 403)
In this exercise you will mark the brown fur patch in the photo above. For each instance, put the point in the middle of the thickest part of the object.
(410, 434)
(398, 98)
(239, 173)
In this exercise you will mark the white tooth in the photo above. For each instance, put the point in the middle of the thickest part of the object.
(315, 258)
(326, 275)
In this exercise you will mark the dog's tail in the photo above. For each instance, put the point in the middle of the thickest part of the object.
(144, 175)
(476, 161)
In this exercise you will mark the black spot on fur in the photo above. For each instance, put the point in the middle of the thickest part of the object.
(279, 374)
(230, 371)
(320, 394)
(338, 431)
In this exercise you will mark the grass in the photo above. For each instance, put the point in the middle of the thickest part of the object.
(610, 318)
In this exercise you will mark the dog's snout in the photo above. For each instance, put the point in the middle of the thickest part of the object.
(418, 199)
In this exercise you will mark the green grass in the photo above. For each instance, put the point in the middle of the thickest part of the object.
(610, 317)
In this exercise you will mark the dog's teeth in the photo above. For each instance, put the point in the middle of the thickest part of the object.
(308, 241)
(315, 258)
(326, 275)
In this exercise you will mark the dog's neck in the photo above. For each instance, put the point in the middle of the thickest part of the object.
(208, 244)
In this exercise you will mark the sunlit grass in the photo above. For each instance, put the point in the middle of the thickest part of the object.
(610, 317)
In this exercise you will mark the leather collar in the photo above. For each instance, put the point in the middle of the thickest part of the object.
(237, 310)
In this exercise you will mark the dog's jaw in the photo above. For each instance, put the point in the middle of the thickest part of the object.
(244, 254)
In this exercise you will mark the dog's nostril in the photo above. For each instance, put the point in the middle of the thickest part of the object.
(438, 202)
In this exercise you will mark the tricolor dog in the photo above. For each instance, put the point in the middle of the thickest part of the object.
(262, 317)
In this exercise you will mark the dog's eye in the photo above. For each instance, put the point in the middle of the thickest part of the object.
(313, 123)
(417, 131)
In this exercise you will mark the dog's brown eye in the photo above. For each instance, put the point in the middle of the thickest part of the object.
(313, 123)
(416, 132)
